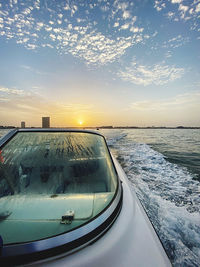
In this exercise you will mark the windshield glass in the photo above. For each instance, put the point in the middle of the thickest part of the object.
(52, 182)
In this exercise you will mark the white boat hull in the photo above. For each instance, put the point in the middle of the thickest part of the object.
(130, 241)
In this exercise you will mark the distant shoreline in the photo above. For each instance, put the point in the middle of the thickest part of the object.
(109, 127)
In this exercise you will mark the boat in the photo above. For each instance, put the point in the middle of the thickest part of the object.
(66, 201)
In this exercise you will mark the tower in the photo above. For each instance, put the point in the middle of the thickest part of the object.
(23, 124)
(45, 122)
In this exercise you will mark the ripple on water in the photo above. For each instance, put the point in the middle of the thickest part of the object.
(170, 195)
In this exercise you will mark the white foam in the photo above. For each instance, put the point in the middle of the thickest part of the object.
(169, 195)
(113, 137)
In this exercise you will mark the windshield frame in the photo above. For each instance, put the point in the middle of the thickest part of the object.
(65, 242)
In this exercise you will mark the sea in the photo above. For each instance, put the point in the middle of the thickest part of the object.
(163, 166)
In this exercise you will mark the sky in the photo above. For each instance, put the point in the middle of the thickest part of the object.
(97, 63)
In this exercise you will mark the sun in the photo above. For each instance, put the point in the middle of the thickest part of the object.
(80, 122)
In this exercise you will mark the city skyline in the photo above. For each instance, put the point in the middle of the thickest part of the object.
(94, 63)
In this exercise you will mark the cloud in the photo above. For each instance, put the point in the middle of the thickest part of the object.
(104, 8)
(12, 91)
(183, 101)
(181, 109)
(157, 74)
(197, 9)
(52, 36)
(178, 10)
(40, 25)
(48, 29)
(125, 26)
(176, 1)
(15, 106)
(136, 29)
(183, 8)
(28, 68)
(65, 33)
(31, 46)
(60, 16)
(159, 5)
(170, 14)
(93, 46)
(168, 54)
(25, 103)
(176, 42)
(3, 99)
(116, 24)
(74, 9)
(126, 14)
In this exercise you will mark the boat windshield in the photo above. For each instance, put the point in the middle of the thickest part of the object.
(52, 183)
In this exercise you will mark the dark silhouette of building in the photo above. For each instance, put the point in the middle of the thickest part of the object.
(45, 122)
(23, 124)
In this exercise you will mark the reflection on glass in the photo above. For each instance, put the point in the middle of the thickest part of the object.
(51, 183)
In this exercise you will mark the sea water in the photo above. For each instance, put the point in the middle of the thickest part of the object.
(163, 166)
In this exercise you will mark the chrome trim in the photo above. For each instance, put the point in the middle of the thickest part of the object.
(7, 137)
(38, 246)
(58, 130)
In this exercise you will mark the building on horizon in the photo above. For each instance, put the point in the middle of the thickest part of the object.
(23, 124)
(45, 122)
